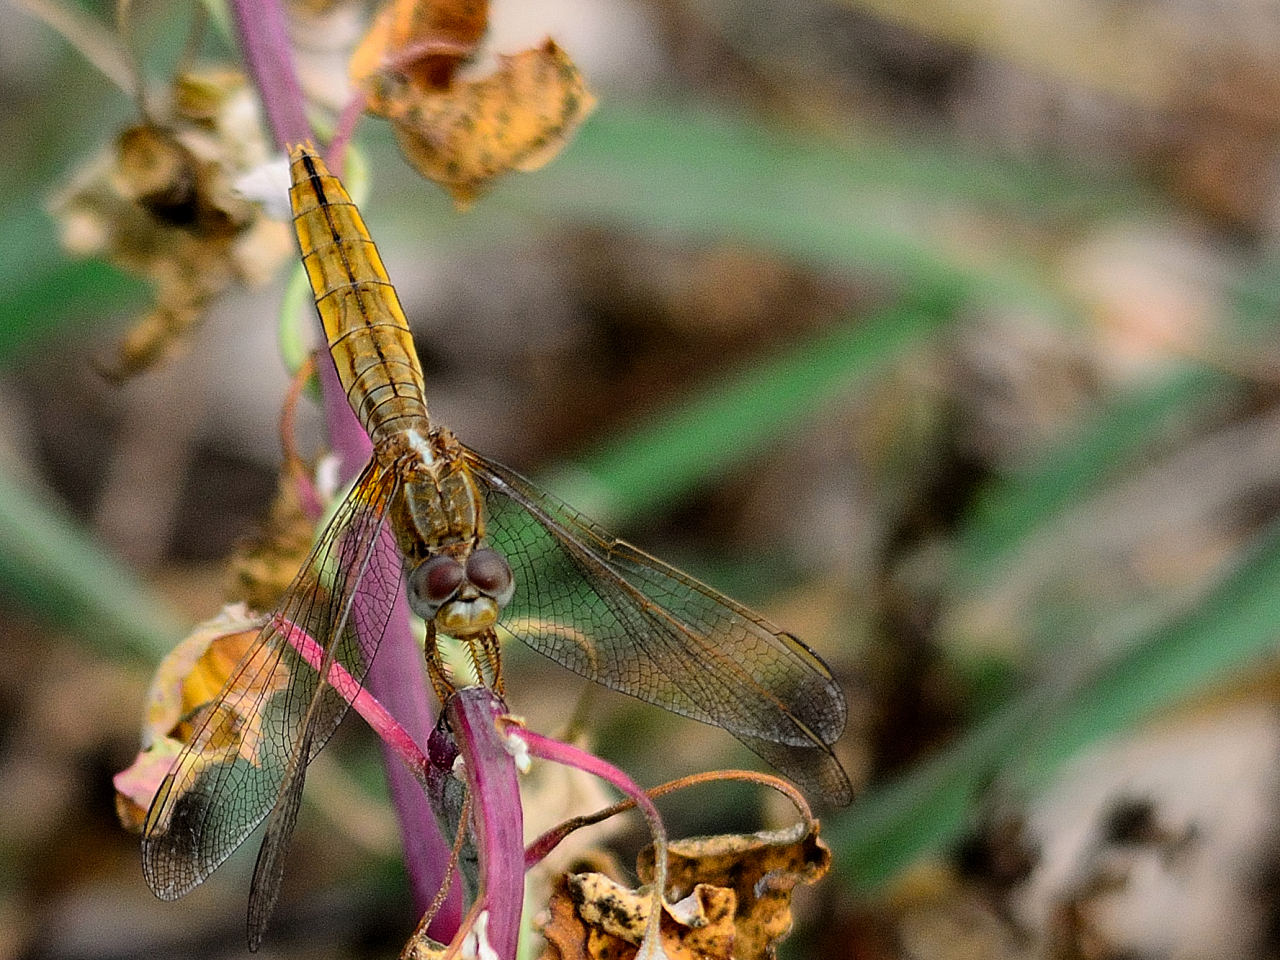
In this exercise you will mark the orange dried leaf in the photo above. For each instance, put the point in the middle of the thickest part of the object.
(168, 701)
(517, 118)
(563, 930)
(762, 869)
(610, 907)
(139, 783)
(423, 40)
(185, 687)
(423, 948)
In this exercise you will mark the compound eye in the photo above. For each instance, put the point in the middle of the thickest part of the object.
(433, 582)
(489, 570)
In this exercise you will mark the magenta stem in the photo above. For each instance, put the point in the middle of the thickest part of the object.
(558, 752)
(497, 817)
(264, 40)
(396, 676)
(571, 756)
(361, 700)
(336, 154)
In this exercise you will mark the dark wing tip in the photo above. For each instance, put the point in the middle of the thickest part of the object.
(815, 769)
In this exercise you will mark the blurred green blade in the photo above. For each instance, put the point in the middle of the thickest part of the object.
(701, 438)
(1112, 440)
(41, 288)
(855, 203)
(53, 567)
(1234, 626)
(843, 203)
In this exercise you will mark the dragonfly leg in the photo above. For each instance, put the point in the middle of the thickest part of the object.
(489, 640)
(440, 681)
(488, 662)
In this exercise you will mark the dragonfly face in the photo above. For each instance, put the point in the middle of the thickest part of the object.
(463, 597)
(485, 554)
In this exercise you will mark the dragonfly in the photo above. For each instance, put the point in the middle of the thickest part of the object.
(483, 555)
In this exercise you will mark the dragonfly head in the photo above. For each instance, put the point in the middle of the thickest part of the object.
(464, 597)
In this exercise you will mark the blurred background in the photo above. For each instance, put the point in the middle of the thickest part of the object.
(941, 331)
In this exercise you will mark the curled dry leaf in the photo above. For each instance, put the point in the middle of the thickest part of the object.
(187, 682)
(591, 916)
(732, 899)
(422, 40)
(762, 869)
(516, 118)
(159, 203)
(423, 948)
(265, 563)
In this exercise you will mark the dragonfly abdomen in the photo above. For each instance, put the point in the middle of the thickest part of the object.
(383, 384)
(366, 328)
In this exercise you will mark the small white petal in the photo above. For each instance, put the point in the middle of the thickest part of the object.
(518, 747)
(327, 477)
(476, 942)
(268, 186)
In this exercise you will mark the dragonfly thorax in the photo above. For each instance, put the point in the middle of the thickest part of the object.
(437, 507)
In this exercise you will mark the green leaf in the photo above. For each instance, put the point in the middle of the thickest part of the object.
(44, 292)
(850, 204)
(1106, 444)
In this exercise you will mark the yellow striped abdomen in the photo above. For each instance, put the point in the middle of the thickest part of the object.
(366, 329)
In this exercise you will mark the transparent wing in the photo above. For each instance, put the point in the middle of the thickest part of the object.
(273, 715)
(610, 612)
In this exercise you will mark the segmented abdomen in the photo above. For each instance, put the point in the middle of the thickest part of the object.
(365, 326)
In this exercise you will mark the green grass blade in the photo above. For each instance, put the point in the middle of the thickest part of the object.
(840, 203)
(42, 289)
(1121, 432)
(848, 204)
(55, 569)
(702, 437)
(1235, 626)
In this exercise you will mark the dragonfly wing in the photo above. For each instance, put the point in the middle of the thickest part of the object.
(612, 613)
(250, 747)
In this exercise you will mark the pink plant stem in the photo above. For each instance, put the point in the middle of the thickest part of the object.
(557, 752)
(396, 677)
(264, 40)
(343, 132)
(571, 756)
(364, 703)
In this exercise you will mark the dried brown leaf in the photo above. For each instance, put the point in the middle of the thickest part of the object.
(422, 40)
(592, 917)
(265, 563)
(186, 682)
(516, 118)
(762, 870)
(160, 203)
(423, 948)
(563, 930)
